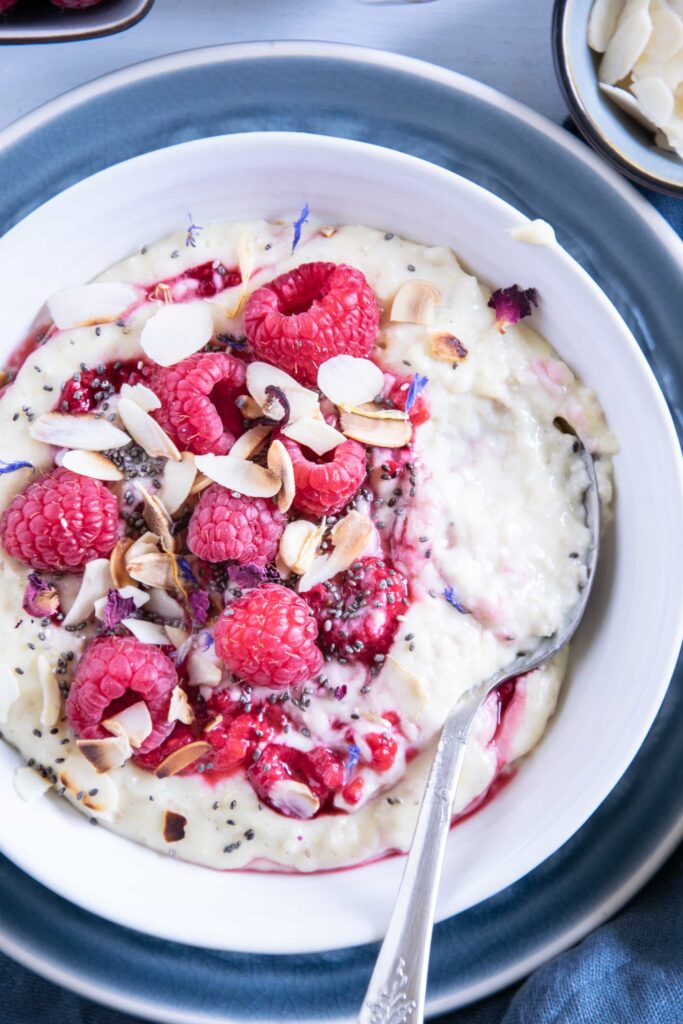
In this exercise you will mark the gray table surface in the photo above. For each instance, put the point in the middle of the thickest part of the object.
(505, 43)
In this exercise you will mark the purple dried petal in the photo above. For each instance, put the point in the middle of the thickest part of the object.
(116, 609)
(249, 575)
(298, 224)
(417, 386)
(199, 604)
(192, 232)
(340, 692)
(449, 594)
(511, 304)
(40, 598)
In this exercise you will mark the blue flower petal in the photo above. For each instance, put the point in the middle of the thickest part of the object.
(417, 386)
(11, 467)
(449, 594)
(298, 224)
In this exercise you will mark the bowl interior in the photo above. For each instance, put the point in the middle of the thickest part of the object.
(610, 130)
(623, 656)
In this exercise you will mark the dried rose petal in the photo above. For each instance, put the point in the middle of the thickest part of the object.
(199, 603)
(511, 304)
(249, 575)
(40, 598)
(116, 609)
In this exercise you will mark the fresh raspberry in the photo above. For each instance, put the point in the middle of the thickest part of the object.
(85, 389)
(295, 783)
(60, 522)
(197, 401)
(358, 610)
(113, 673)
(383, 748)
(398, 393)
(267, 638)
(227, 527)
(324, 487)
(310, 314)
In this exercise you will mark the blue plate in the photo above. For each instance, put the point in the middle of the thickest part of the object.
(635, 257)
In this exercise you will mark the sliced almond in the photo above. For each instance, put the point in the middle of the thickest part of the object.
(166, 607)
(346, 380)
(96, 583)
(87, 431)
(146, 431)
(180, 709)
(603, 22)
(239, 475)
(213, 724)
(9, 690)
(353, 537)
(382, 432)
(201, 482)
(203, 670)
(260, 376)
(655, 99)
(328, 232)
(182, 758)
(280, 463)
(300, 403)
(177, 482)
(447, 347)
(52, 695)
(146, 544)
(141, 395)
(146, 632)
(153, 570)
(88, 304)
(104, 755)
(315, 434)
(414, 303)
(92, 464)
(293, 798)
(250, 442)
(117, 564)
(29, 784)
(628, 103)
(667, 35)
(175, 332)
(177, 636)
(134, 723)
(626, 45)
(249, 408)
(299, 544)
(158, 519)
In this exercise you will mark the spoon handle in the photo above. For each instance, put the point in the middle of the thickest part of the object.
(396, 993)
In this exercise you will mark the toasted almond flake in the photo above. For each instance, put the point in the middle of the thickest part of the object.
(293, 798)
(603, 22)
(134, 723)
(146, 632)
(533, 232)
(87, 431)
(146, 544)
(655, 99)
(92, 464)
(384, 432)
(280, 463)
(239, 475)
(175, 332)
(141, 395)
(174, 826)
(300, 402)
(250, 442)
(328, 232)
(180, 709)
(117, 564)
(213, 724)
(166, 607)
(52, 695)
(182, 758)
(154, 570)
(353, 537)
(146, 431)
(447, 347)
(9, 690)
(299, 544)
(202, 670)
(346, 380)
(200, 484)
(29, 784)
(260, 375)
(177, 636)
(158, 519)
(176, 483)
(104, 755)
(626, 45)
(315, 434)
(372, 411)
(249, 408)
(414, 303)
(628, 103)
(89, 304)
(96, 583)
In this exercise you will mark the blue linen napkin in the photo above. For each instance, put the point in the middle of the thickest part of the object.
(629, 971)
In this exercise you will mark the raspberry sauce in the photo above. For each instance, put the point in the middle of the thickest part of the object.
(200, 282)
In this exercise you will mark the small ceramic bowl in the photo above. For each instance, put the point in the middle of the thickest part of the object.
(38, 21)
(613, 134)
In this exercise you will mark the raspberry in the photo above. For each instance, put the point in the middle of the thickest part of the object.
(310, 314)
(225, 527)
(398, 393)
(267, 638)
(197, 394)
(60, 522)
(357, 611)
(383, 749)
(113, 673)
(325, 487)
(293, 782)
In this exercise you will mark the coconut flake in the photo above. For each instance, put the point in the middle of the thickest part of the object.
(166, 607)
(250, 442)
(9, 690)
(29, 784)
(448, 348)
(92, 464)
(203, 670)
(239, 475)
(182, 758)
(388, 428)
(96, 583)
(261, 376)
(146, 431)
(134, 723)
(141, 395)
(414, 303)
(280, 463)
(346, 380)
(146, 632)
(52, 695)
(104, 756)
(299, 544)
(89, 304)
(293, 798)
(180, 709)
(156, 569)
(177, 636)
(87, 431)
(315, 434)
(353, 537)
(533, 232)
(158, 519)
(175, 332)
(626, 45)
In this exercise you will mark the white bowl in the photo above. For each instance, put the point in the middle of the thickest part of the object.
(626, 649)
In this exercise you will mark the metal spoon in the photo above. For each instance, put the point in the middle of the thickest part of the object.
(396, 993)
